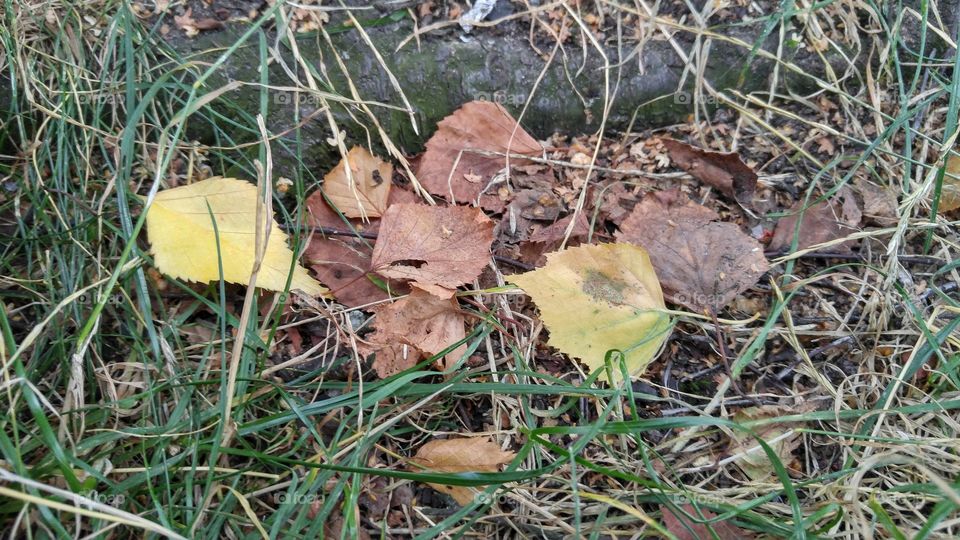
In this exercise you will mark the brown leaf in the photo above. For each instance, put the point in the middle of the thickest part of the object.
(782, 439)
(702, 263)
(687, 529)
(321, 215)
(368, 193)
(333, 528)
(430, 245)
(724, 171)
(191, 26)
(478, 125)
(549, 238)
(821, 222)
(558, 230)
(879, 203)
(461, 455)
(342, 264)
(424, 322)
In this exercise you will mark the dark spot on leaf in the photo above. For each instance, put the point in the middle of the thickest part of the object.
(416, 263)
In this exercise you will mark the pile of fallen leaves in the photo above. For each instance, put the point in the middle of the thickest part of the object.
(600, 265)
(599, 260)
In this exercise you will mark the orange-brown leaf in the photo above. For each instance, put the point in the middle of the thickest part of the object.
(950, 194)
(430, 245)
(367, 193)
(821, 222)
(450, 155)
(424, 322)
(343, 265)
(685, 528)
(461, 455)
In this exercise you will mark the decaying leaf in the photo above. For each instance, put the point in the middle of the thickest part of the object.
(450, 155)
(429, 245)
(597, 298)
(425, 320)
(687, 529)
(191, 27)
(751, 459)
(367, 195)
(724, 171)
(461, 455)
(879, 203)
(343, 265)
(549, 238)
(950, 194)
(821, 222)
(343, 262)
(184, 244)
(702, 263)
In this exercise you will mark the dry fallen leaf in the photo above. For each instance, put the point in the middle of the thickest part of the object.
(597, 298)
(428, 321)
(549, 238)
(879, 203)
(687, 529)
(461, 455)
(702, 263)
(343, 265)
(724, 171)
(342, 262)
(184, 244)
(478, 125)
(191, 27)
(950, 194)
(751, 459)
(367, 195)
(430, 245)
(821, 222)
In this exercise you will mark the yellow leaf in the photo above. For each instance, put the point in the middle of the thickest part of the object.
(950, 194)
(461, 455)
(366, 195)
(183, 242)
(594, 299)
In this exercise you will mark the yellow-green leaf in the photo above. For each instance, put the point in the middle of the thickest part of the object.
(596, 298)
(184, 244)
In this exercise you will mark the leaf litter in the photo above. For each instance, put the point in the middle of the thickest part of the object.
(457, 164)
(403, 260)
(702, 263)
(821, 222)
(461, 455)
